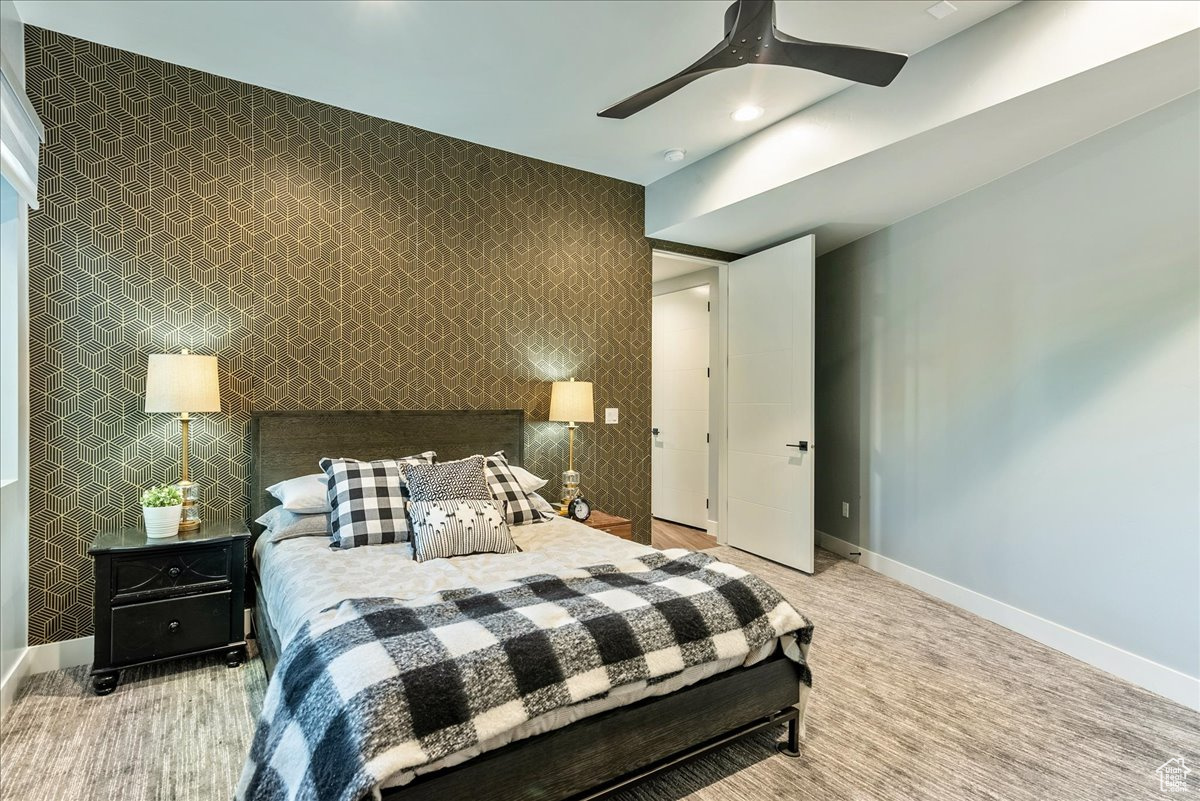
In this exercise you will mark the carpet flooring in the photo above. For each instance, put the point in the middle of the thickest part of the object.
(912, 699)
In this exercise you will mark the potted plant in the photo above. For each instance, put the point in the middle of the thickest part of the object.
(161, 507)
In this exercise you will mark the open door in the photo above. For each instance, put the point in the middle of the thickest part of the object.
(766, 481)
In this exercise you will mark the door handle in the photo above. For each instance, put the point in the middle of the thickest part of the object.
(802, 445)
(654, 431)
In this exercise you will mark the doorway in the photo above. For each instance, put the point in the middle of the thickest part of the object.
(683, 406)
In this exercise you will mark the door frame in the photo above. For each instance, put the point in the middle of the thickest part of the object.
(710, 274)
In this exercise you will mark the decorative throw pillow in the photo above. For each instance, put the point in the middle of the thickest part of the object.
(528, 481)
(367, 499)
(506, 489)
(305, 495)
(284, 524)
(458, 527)
(463, 478)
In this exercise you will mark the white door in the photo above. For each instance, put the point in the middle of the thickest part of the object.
(767, 478)
(679, 405)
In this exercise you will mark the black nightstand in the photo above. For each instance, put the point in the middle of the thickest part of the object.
(159, 599)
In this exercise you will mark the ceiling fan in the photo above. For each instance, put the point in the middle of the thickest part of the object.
(752, 38)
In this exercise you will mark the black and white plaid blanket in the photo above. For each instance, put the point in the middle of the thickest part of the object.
(375, 686)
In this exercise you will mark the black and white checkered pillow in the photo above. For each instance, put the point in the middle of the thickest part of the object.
(368, 498)
(519, 507)
(462, 478)
(458, 527)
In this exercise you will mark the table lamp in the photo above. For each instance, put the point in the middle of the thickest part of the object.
(571, 403)
(182, 383)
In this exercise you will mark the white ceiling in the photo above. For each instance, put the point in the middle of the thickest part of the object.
(1014, 89)
(526, 77)
(672, 265)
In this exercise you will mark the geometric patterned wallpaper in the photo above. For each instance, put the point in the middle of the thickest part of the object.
(330, 260)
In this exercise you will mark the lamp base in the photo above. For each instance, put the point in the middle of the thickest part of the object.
(189, 518)
(570, 489)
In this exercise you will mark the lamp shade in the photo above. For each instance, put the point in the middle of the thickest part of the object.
(571, 402)
(182, 382)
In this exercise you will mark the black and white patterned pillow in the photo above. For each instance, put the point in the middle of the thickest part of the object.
(463, 478)
(506, 489)
(367, 499)
(458, 527)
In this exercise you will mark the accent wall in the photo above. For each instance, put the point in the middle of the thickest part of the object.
(330, 260)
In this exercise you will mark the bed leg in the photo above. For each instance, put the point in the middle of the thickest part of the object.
(791, 748)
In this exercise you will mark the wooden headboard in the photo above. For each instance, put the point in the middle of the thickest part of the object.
(288, 444)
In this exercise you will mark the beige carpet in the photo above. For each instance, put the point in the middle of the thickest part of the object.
(913, 699)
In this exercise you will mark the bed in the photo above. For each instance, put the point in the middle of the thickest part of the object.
(586, 751)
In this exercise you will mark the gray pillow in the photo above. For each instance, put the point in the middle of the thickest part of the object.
(459, 480)
(458, 528)
(284, 524)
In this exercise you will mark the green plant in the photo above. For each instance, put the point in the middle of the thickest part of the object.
(162, 495)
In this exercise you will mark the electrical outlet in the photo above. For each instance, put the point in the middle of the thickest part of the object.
(846, 510)
(611, 416)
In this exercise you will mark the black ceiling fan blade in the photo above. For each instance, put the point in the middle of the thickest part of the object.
(710, 63)
(858, 64)
(752, 38)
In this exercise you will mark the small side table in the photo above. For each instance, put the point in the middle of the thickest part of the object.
(617, 526)
(161, 599)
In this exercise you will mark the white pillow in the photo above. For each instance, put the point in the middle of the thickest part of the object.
(281, 524)
(306, 495)
(542, 506)
(528, 481)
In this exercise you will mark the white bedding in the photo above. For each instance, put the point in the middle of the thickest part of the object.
(302, 576)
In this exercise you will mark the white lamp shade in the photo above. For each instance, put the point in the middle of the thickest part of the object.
(182, 382)
(571, 402)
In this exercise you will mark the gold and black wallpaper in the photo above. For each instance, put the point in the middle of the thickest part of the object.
(330, 260)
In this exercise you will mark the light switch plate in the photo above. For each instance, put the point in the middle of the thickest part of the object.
(845, 509)
(611, 416)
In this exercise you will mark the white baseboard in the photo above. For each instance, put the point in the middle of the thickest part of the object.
(714, 530)
(1156, 678)
(12, 682)
(59, 655)
(42, 659)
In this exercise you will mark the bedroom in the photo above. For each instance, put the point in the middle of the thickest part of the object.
(989, 267)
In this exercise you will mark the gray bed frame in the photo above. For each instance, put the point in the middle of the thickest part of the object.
(587, 760)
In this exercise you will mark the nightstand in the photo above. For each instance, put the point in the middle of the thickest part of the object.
(160, 599)
(617, 526)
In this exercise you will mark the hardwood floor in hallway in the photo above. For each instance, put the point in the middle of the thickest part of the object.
(664, 534)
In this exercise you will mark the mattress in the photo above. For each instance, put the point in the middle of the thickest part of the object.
(300, 577)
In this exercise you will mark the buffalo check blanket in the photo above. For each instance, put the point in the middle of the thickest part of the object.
(375, 686)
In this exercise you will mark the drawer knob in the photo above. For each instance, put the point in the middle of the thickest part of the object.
(173, 626)
(174, 572)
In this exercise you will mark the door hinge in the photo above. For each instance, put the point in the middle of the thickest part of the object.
(708, 437)
(708, 372)
(706, 503)
(709, 305)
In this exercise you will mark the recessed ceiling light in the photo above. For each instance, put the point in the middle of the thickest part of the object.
(747, 113)
(675, 155)
(941, 10)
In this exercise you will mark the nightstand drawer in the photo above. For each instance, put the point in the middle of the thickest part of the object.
(158, 629)
(148, 573)
(611, 524)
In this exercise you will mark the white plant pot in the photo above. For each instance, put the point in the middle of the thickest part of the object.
(162, 521)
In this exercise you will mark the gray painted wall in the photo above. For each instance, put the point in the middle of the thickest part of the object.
(1007, 388)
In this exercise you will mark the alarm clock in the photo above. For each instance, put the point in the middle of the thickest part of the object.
(579, 509)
